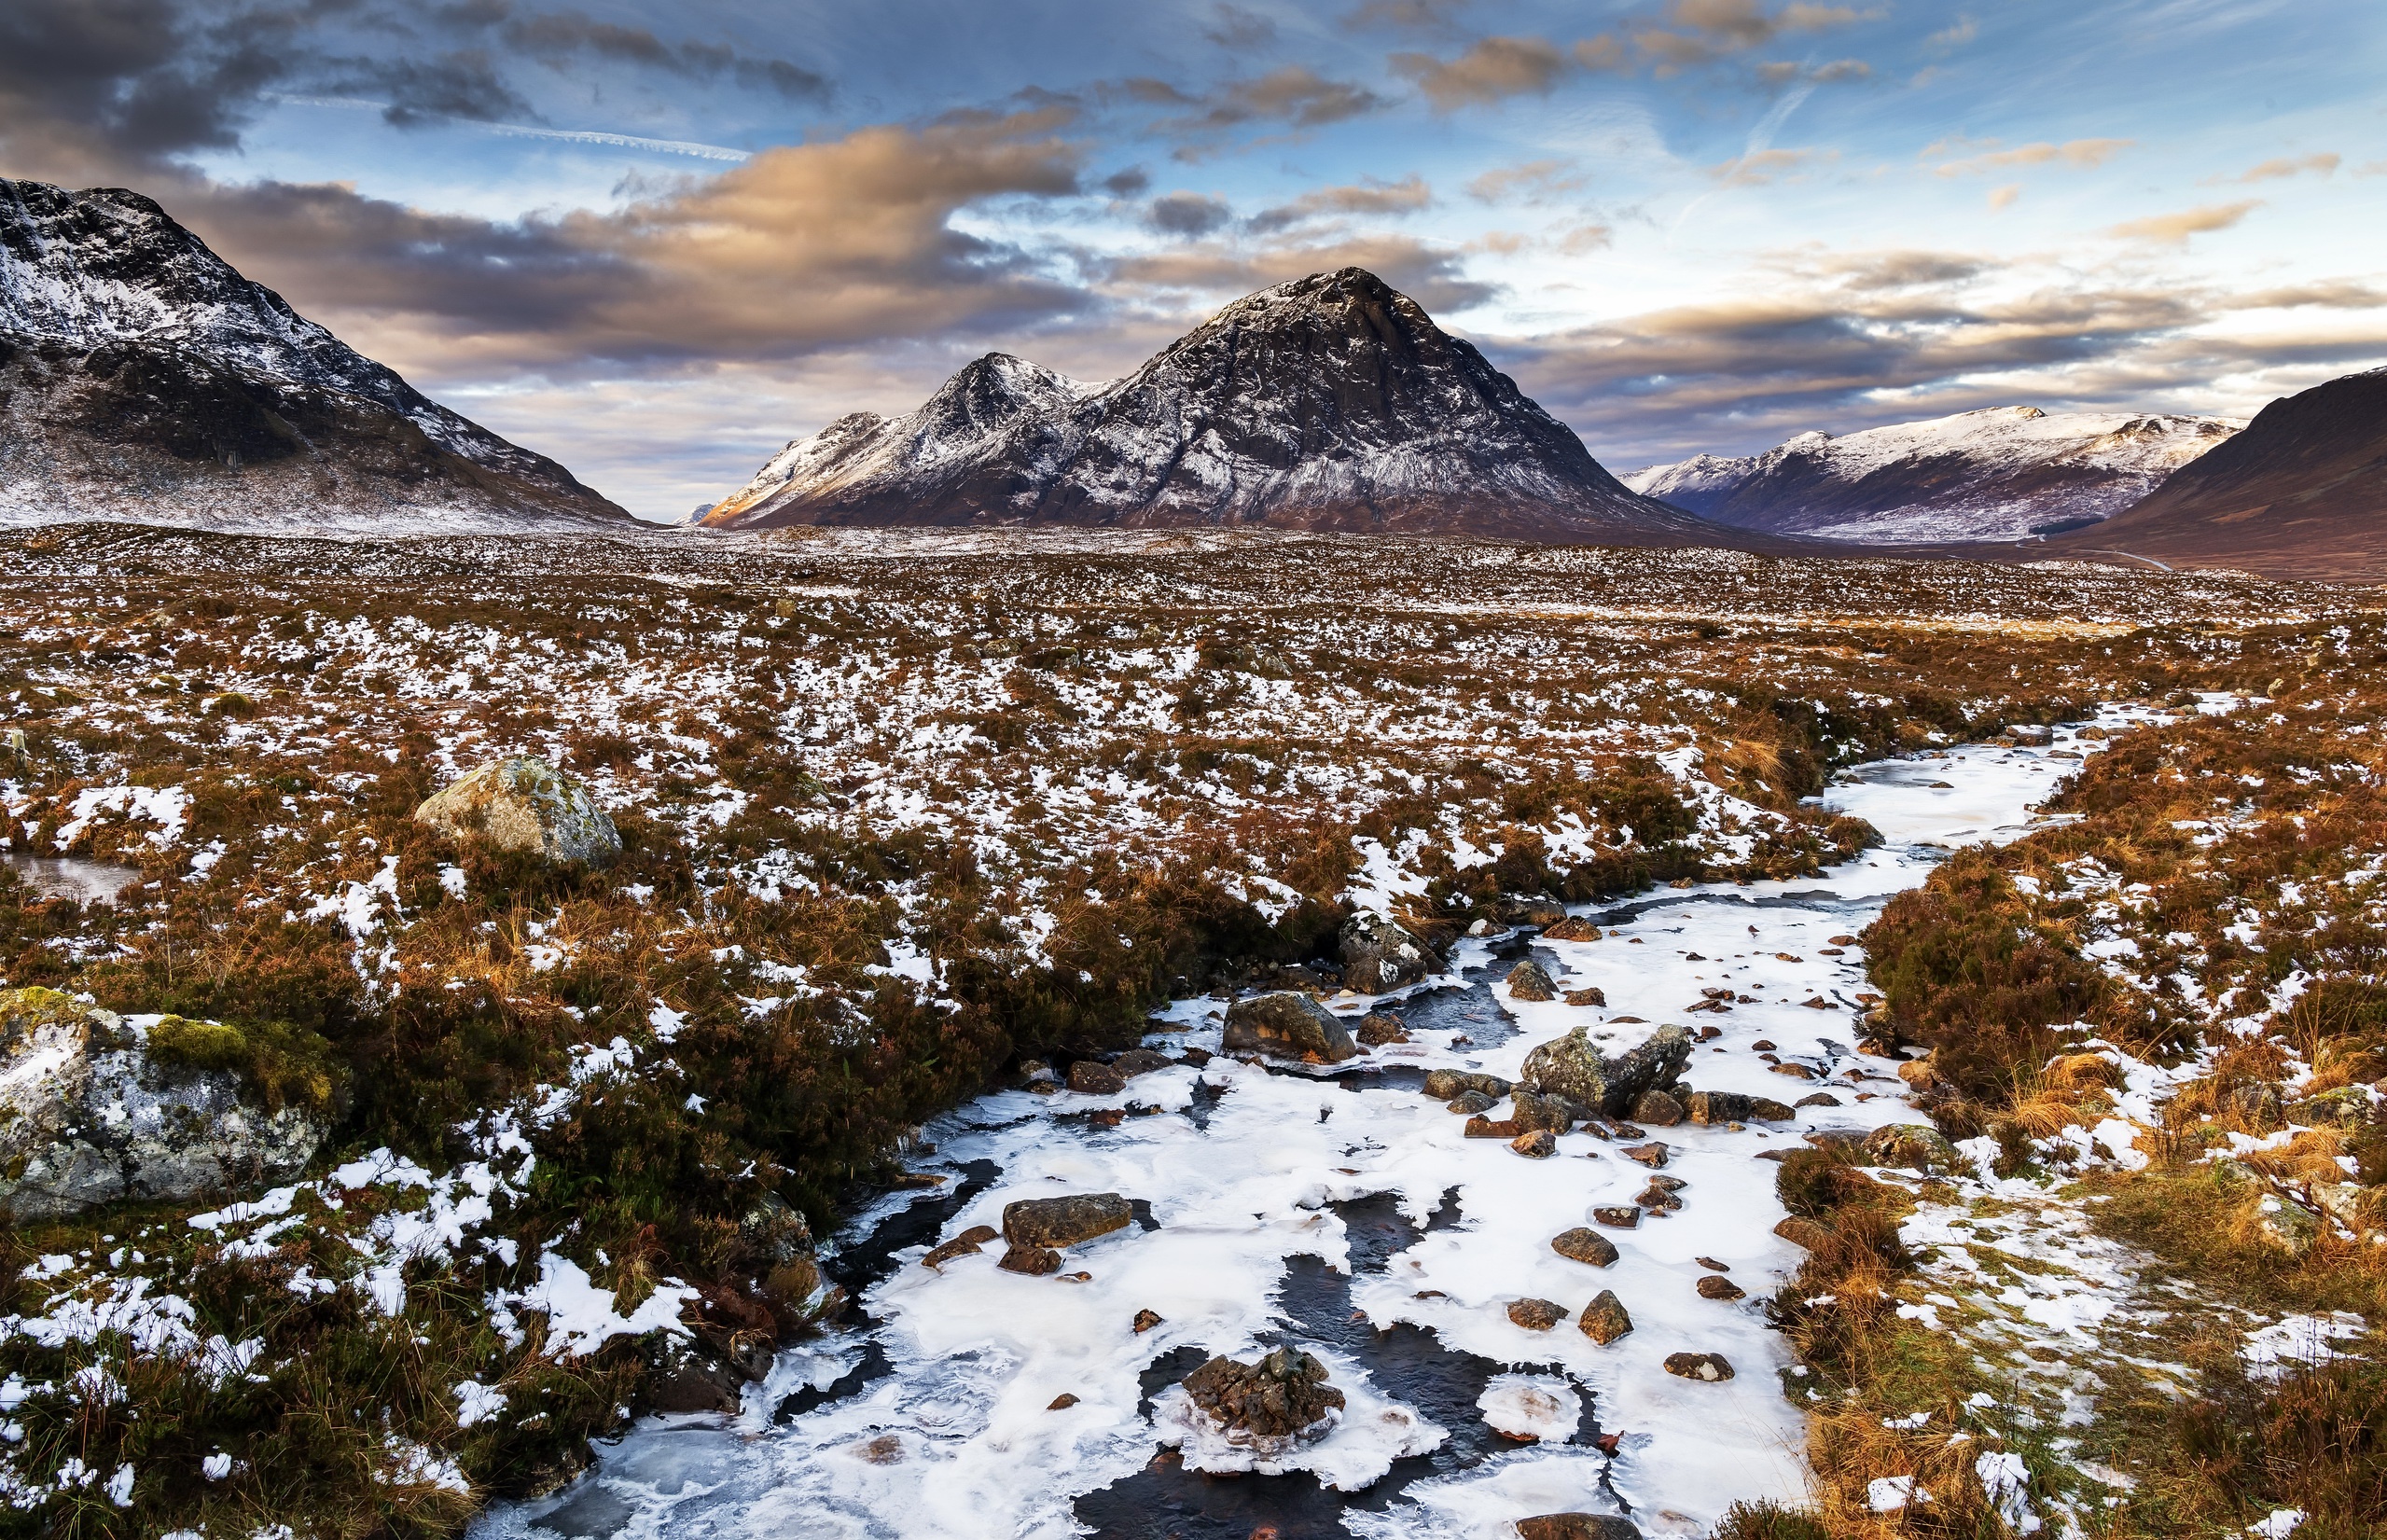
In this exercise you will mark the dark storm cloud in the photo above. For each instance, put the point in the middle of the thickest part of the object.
(91, 84)
(555, 36)
(463, 83)
(1189, 213)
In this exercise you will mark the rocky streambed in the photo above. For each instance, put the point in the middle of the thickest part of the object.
(1507, 1333)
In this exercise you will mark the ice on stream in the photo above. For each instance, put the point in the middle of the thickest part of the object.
(937, 1419)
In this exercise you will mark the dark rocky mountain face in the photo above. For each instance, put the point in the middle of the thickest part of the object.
(1333, 403)
(2301, 492)
(143, 378)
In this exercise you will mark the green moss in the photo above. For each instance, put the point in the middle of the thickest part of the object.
(287, 1064)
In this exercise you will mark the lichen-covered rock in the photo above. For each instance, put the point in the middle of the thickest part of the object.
(1713, 1287)
(89, 1115)
(1571, 1066)
(1708, 1367)
(1379, 954)
(527, 805)
(1064, 1221)
(1535, 1144)
(1529, 980)
(1536, 1315)
(1585, 1245)
(1554, 1113)
(1573, 928)
(1709, 1108)
(1135, 1062)
(1089, 1077)
(1576, 1526)
(1271, 1405)
(1443, 1084)
(1604, 1319)
(1379, 1028)
(1286, 1024)
(1657, 1109)
(1916, 1146)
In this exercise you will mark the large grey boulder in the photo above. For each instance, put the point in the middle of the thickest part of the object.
(89, 1115)
(1379, 954)
(1573, 1066)
(527, 805)
(1287, 1024)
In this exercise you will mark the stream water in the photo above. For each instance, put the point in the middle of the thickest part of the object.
(70, 877)
(1344, 1213)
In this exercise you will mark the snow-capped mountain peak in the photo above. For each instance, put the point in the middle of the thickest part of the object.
(1998, 472)
(1329, 402)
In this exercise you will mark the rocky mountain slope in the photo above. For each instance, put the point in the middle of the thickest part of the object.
(2301, 492)
(2003, 473)
(1330, 403)
(143, 378)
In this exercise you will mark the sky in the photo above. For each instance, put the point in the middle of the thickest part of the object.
(658, 240)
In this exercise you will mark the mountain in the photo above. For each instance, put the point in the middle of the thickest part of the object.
(2301, 492)
(2003, 473)
(1329, 403)
(143, 378)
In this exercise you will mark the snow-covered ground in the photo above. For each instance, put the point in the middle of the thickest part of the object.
(936, 1418)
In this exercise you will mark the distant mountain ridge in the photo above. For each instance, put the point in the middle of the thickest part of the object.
(1998, 474)
(142, 377)
(2301, 492)
(1333, 402)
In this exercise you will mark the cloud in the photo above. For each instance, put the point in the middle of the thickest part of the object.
(1528, 181)
(1385, 200)
(1786, 72)
(1189, 213)
(1955, 35)
(1493, 70)
(2085, 153)
(1759, 167)
(1701, 32)
(2004, 197)
(551, 37)
(2322, 165)
(461, 84)
(1233, 27)
(1433, 275)
(1295, 95)
(1407, 15)
(2175, 228)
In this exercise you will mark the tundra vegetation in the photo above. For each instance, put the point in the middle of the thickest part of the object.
(898, 815)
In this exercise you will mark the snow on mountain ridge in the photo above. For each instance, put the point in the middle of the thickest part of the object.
(1999, 473)
(1332, 401)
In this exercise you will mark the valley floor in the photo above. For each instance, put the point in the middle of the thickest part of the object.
(906, 817)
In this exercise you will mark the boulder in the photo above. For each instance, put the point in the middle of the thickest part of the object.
(1470, 1103)
(1089, 1078)
(1604, 1319)
(1585, 1245)
(1818, 1099)
(1709, 1366)
(2347, 1107)
(1381, 954)
(1528, 981)
(1036, 1261)
(1538, 1145)
(1064, 1221)
(1715, 1286)
(1592, 996)
(527, 805)
(1765, 1109)
(1536, 1315)
(1378, 1028)
(98, 1109)
(1576, 1526)
(1709, 1108)
(1271, 1405)
(1656, 1108)
(1916, 1146)
(1571, 1066)
(1554, 1113)
(1135, 1062)
(1286, 1024)
(1442, 1085)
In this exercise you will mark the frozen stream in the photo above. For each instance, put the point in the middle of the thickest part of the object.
(1347, 1214)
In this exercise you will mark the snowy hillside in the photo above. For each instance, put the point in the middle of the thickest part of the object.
(2003, 473)
(142, 376)
(1332, 402)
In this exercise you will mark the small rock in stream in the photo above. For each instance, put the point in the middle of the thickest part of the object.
(1708, 1367)
(1286, 1024)
(1064, 1221)
(1657, 1109)
(1472, 1101)
(1528, 981)
(1444, 1085)
(1539, 1145)
(1088, 1079)
(1036, 1261)
(1586, 1245)
(1716, 1286)
(1377, 1028)
(1623, 1216)
(1536, 1315)
(1604, 1319)
(1144, 1320)
(1268, 1405)
(1576, 1526)
(967, 1243)
(1652, 1155)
